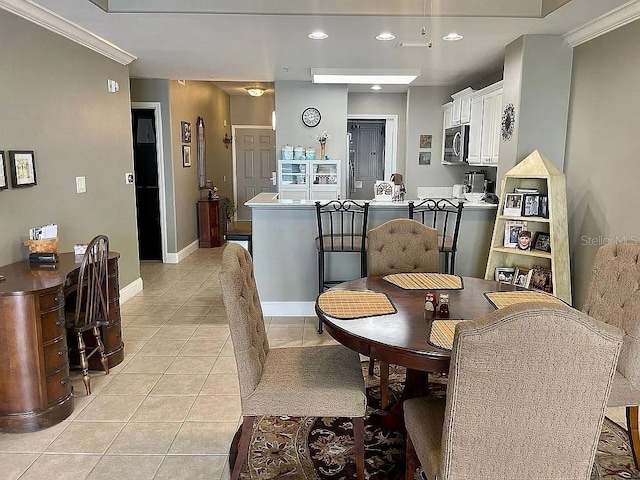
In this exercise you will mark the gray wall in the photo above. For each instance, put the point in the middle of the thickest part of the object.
(601, 162)
(55, 102)
(248, 110)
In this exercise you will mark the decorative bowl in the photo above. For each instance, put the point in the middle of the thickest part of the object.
(473, 197)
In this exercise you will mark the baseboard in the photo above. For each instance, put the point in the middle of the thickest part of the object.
(182, 254)
(289, 309)
(128, 292)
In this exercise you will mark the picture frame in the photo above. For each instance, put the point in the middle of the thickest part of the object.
(23, 168)
(531, 205)
(512, 229)
(185, 129)
(504, 274)
(542, 242)
(544, 206)
(540, 279)
(186, 156)
(424, 158)
(425, 141)
(524, 240)
(4, 184)
(521, 277)
(513, 204)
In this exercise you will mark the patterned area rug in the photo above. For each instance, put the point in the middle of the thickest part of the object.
(321, 448)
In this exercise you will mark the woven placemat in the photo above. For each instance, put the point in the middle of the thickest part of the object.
(442, 333)
(347, 305)
(425, 281)
(505, 299)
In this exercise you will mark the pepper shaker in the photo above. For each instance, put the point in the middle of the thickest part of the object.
(444, 306)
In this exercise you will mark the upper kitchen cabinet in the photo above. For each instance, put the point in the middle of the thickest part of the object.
(448, 115)
(484, 130)
(461, 112)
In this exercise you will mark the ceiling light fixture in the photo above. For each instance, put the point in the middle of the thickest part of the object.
(364, 76)
(317, 35)
(255, 91)
(385, 36)
(376, 87)
(452, 37)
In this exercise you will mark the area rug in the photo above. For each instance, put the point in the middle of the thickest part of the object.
(321, 448)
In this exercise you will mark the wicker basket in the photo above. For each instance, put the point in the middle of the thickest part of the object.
(50, 245)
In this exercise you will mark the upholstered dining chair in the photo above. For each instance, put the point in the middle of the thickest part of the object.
(399, 246)
(342, 228)
(91, 305)
(444, 216)
(299, 381)
(613, 297)
(527, 392)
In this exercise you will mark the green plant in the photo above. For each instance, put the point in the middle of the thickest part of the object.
(230, 207)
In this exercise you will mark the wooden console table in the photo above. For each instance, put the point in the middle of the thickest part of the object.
(35, 387)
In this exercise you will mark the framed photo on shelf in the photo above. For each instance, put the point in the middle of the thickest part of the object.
(512, 229)
(513, 204)
(504, 274)
(524, 240)
(521, 277)
(542, 242)
(531, 202)
(544, 206)
(186, 155)
(525, 190)
(23, 168)
(540, 279)
(3, 172)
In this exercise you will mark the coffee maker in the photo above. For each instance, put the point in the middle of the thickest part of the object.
(474, 181)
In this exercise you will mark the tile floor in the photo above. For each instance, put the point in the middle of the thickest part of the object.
(171, 408)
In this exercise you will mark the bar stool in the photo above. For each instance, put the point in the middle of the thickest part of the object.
(342, 228)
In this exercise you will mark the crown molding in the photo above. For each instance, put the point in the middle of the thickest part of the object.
(55, 23)
(616, 18)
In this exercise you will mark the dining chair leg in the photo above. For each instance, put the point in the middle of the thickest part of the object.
(384, 384)
(453, 263)
(103, 357)
(411, 460)
(634, 435)
(84, 363)
(243, 447)
(320, 282)
(358, 436)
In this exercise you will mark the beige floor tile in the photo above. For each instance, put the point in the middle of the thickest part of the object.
(111, 408)
(99, 380)
(133, 309)
(204, 438)
(193, 311)
(126, 467)
(148, 364)
(179, 385)
(132, 347)
(177, 332)
(173, 298)
(216, 320)
(14, 464)
(164, 409)
(162, 347)
(152, 290)
(617, 415)
(225, 365)
(215, 408)
(199, 301)
(202, 348)
(145, 320)
(177, 320)
(79, 403)
(163, 310)
(192, 467)
(132, 384)
(60, 467)
(279, 333)
(191, 365)
(145, 438)
(221, 384)
(34, 442)
(140, 300)
(125, 320)
(132, 332)
(311, 337)
(227, 350)
(86, 437)
(212, 331)
(287, 321)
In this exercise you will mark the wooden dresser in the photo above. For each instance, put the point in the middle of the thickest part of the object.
(212, 223)
(35, 391)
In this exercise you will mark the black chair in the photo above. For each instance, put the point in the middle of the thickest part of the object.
(342, 227)
(91, 305)
(444, 216)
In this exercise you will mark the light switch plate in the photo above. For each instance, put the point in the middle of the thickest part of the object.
(81, 185)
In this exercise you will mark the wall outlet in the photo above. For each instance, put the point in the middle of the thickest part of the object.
(128, 178)
(81, 185)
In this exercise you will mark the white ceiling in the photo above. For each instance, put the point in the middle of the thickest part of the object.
(257, 46)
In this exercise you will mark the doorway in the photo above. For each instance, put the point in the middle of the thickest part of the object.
(366, 156)
(148, 181)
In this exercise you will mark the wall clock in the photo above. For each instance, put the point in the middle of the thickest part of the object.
(311, 117)
(508, 122)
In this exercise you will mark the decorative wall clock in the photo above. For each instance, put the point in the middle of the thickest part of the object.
(311, 117)
(508, 122)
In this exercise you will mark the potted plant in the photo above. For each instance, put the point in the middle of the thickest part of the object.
(230, 209)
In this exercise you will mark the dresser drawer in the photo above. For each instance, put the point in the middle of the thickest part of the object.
(53, 325)
(58, 384)
(52, 300)
(55, 355)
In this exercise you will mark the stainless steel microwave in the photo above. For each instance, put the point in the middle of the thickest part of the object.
(456, 144)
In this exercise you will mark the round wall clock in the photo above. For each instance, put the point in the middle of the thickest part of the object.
(508, 122)
(311, 117)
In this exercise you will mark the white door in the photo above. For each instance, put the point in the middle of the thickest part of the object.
(255, 165)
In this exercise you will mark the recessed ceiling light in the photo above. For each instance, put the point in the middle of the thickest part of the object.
(255, 91)
(376, 87)
(318, 35)
(385, 36)
(452, 37)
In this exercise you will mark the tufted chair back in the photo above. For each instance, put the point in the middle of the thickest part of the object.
(614, 297)
(246, 322)
(402, 246)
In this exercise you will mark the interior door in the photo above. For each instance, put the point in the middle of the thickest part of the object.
(255, 166)
(366, 157)
(145, 163)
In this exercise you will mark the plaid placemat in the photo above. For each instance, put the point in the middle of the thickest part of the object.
(346, 305)
(442, 333)
(425, 281)
(504, 299)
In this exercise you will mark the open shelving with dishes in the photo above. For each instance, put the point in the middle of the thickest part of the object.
(309, 179)
(543, 246)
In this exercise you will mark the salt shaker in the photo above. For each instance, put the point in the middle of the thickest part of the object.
(444, 306)
(430, 302)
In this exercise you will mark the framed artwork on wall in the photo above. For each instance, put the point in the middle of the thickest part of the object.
(185, 129)
(23, 168)
(3, 172)
(186, 155)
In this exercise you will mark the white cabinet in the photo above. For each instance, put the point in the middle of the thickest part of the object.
(484, 130)
(308, 179)
(497, 128)
(461, 112)
(475, 130)
(448, 115)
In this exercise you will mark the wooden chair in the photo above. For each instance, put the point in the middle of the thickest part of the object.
(444, 216)
(299, 381)
(342, 228)
(399, 246)
(613, 297)
(528, 388)
(91, 305)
